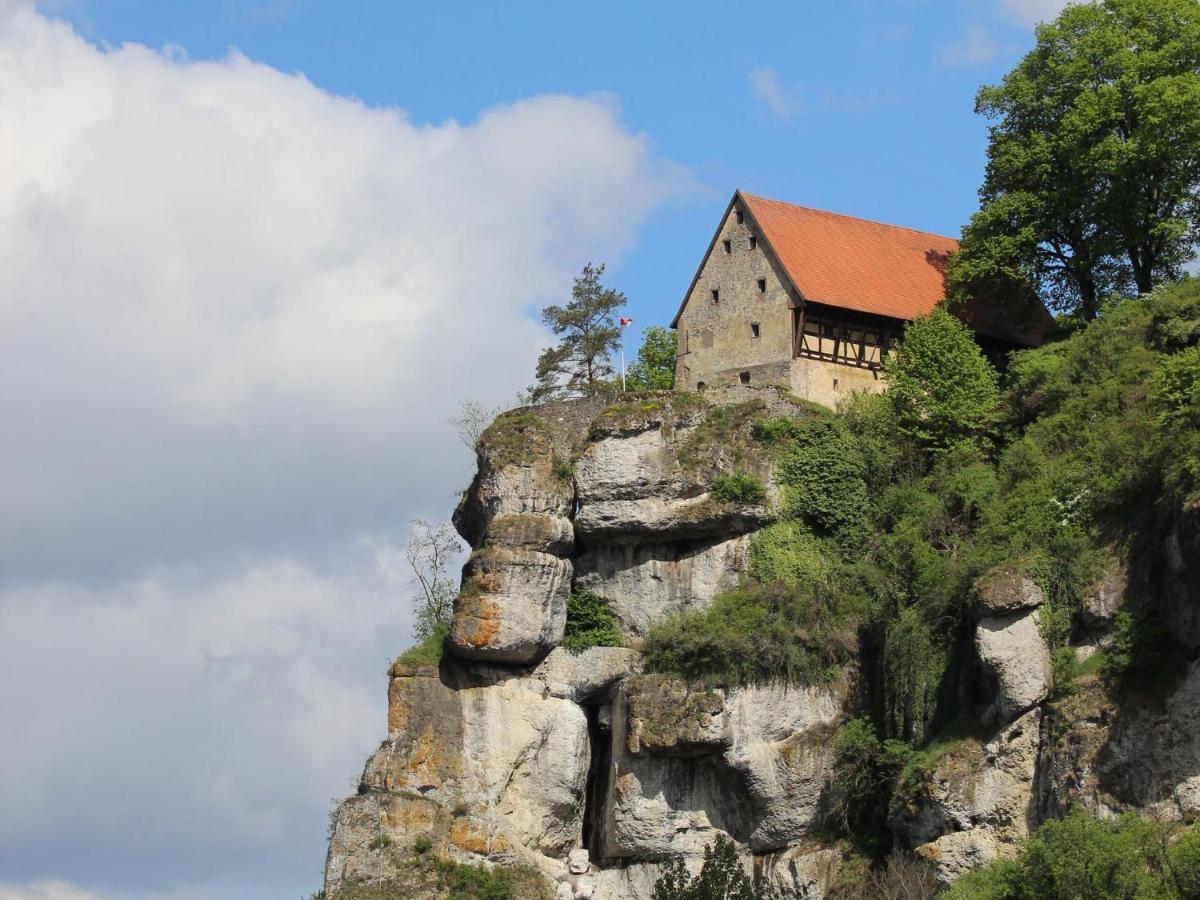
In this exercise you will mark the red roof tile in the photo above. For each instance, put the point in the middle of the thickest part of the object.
(854, 263)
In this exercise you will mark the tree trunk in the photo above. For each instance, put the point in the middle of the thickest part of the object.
(1142, 261)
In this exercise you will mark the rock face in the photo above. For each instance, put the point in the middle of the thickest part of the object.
(1015, 662)
(978, 803)
(516, 750)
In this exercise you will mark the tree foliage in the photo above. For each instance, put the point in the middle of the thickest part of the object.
(431, 549)
(588, 333)
(721, 878)
(655, 366)
(1083, 858)
(1092, 183)
(943, 389)
(590, 623)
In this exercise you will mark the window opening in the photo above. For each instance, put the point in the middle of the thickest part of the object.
(754, 329)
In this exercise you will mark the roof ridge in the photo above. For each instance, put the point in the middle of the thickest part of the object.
(837, 215)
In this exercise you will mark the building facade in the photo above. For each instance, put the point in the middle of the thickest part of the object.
(810, 300)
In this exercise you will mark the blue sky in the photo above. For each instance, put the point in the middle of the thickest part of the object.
(254, 256)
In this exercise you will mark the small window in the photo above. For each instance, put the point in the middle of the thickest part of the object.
(762, 285)
(753, 329)
(744, 377)
(716, 295)
(741, 218)
(835, 384)
(753, 242)
(728, 246)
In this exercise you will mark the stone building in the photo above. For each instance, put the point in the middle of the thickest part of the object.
(812, 300)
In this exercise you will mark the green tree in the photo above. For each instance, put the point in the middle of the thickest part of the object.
(721, 878)
(1093, 175)
(655, 366)
(942, 388)
(588, 336)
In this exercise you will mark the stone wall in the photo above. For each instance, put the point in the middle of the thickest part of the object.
(716, 342)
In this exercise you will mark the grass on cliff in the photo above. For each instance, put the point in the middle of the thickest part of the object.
(428, 652)
(428, 876)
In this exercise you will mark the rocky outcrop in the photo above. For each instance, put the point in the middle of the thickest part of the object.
(516, 750)
(1006, 591)
(513, 606)
(1015, 662)
(977, 803)
(644, 582)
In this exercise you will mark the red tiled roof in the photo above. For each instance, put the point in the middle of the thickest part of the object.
(854, 263)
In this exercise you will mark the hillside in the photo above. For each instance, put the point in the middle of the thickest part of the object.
(874, 649)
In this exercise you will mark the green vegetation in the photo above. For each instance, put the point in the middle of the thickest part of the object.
(720, 878)
(1080, 857)
(1093, 158)
(590, 623)
(581, 362)
(942, 389)
(655, 366)
(428, 652)
(886, 521)
(738, 487)
(424, 875)
(512, 436)
(753, 635)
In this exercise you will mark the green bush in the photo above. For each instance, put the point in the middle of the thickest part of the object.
(1126, 858)
(755, 635)
(738, 487)
(590, 623)
(428, 652)
(822, 476)
(943, 389)
(864, 769)
(721, 877)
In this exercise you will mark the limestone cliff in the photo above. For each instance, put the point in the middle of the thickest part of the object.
(515, 750)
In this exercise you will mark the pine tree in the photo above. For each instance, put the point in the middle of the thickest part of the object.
(581, 362)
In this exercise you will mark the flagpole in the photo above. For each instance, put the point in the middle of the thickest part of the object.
(624, 323)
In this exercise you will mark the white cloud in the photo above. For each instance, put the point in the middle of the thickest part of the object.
(234, 306)
(778, 100)
(235, 313)
(185, 723)
(45, 890)
(1030, 12)
(974, 47)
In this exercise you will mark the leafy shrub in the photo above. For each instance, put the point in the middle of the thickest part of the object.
(590, 623)
(1143, 653)
(822, 475)
(428, 652)
(1082, 857)
(755, 635)
(787, 553)
(738, 487)
(865, 768)
(423, 844)
(943, 389)
(721, 877)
